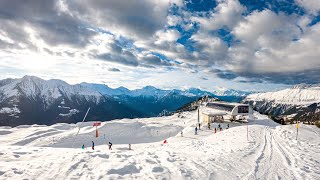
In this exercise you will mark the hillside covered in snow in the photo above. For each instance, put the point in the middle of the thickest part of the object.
(270, 152)
(301, 101)
(32, 100)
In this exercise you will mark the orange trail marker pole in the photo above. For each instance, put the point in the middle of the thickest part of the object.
(297, 126)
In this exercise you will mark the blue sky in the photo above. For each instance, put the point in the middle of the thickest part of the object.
(249, 45)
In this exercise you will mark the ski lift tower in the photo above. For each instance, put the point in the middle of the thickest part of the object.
(203, 99)
(199, 105)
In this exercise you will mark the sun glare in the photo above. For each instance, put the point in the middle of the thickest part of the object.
(37, 62)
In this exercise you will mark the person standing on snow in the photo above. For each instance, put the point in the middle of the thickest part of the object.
(92, 145)
(228, 126)
(82, 146)
(215, 130)
(195, 131)
(129, 146)
(110, 146)
(199, 126)
(181, 133)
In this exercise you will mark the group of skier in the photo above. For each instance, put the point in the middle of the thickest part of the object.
(110, 146)
(209, 127)
(165, 141)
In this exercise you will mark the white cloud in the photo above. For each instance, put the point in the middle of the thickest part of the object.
(259, 24)
(170, 35)
(227, 13)
(211, 49)
(313, 6)
(135, 19)
(273, 43)
(173, 20)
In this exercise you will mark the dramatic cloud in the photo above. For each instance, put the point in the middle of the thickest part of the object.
(235, 41)
(27, 23)
(136, 19)
(271, 43)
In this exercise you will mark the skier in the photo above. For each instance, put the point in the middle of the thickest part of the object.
(215, 130)
(110, 146)
(181, 133)
(195, 131)
(199, 126)
(219, 126)
(129, 146)
(165, 141)
(208, 125)
(92, 145)
(82, 146)
(228, 126)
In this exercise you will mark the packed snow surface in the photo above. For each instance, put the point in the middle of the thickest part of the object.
(271, 151)
(296, 95)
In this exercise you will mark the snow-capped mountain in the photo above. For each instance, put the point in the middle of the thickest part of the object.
(232, 92)
(300, 101)
(150, 91)
(33, 87)
(32, 100)
(147, 91)
(299, 94)
(106, 90)
(153, 101)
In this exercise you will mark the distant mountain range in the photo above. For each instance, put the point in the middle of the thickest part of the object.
(152, 101)
(153, 91)
(302, 102)
(32, 100)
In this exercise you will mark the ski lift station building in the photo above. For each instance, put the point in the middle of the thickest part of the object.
(216, 111)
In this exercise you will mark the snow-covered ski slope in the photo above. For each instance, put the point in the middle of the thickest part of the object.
(272, 151)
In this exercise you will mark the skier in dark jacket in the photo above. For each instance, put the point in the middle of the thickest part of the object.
(92, 145)
(195, 131)
(110, 146)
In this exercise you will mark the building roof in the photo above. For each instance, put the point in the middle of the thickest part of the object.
(214, 113)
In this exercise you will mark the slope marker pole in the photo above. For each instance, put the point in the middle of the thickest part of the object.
(74, 140)
(297, 126)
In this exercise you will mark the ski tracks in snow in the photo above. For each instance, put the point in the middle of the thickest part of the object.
(273, 161)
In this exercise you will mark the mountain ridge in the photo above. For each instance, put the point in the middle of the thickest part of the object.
(31, 99)
(300, 102)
